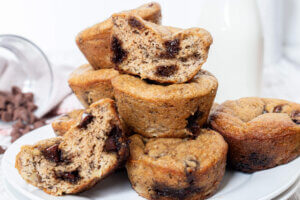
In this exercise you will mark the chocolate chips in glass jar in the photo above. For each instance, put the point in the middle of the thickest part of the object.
(19, 107)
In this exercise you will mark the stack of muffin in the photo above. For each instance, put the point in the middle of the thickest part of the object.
(153, 73)
(163, 99)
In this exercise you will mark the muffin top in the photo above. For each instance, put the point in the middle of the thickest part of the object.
(254, 117)
(178, 154)
(86, 75)
(202, 84)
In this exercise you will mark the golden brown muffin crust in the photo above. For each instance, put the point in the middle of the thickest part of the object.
(261, 132)
(176, 110)
(173, 168)
(94, 41)
(91, 85)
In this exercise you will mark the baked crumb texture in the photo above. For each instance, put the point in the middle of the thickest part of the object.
(94, 42)
(174, 168)
(87, 153)
(159, 53)
(262, 133)
(155, 110)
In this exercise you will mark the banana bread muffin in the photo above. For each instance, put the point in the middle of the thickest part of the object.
(174, 168)
(90, 85)
(62, 124)
(94, 42)
(76, 161)
(261, 133)
(176, 110)
(159, 53)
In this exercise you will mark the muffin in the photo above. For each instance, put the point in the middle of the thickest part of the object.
(91, 85)
(155, 52)
(155, 110)
(94, 42)
(175, 168)
(261, 133)
(76, 161)
(62, 124)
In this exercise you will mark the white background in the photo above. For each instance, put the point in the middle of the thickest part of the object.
(54, 24)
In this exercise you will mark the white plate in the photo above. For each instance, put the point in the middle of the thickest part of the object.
(15, 195)
(262, 185)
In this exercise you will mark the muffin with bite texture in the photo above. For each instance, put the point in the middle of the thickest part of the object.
(80, 158)
(94, 42)
(155, 52)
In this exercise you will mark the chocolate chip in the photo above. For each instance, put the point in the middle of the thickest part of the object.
(16, 90)
(31, 106)
(161, 190)
(6, 116)
(192, 122)
(14, 137)
(86, 119)
(18, 100)
(277, 109)
(259, 159)
(172, 49)
(119, 54)
(38, 124)
(71, 177)
(25, 130)
(166, 71)
(18, 124)
(28, 96)
(112, 142)
(2, 102)
(52, 153)
(2, 150)
(295, 115)
(133, 22)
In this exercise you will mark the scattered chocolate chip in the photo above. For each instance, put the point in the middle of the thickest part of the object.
(6, 116)
(28, 96)
(295, 115)
(172, 49)
(38, 124)
(119, 54)
(52, 153)
(2, 102)
(277, 109)
(133, 22)
(16, 90)
(192, 122)
(2, 150)
(31, 106)
(86, 119)
(72, 177)
(18, 100)
(166, 71)
(25, 130)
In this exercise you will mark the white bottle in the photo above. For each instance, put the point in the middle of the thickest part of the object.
(236, 55)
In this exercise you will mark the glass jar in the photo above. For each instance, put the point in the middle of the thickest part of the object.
(23, 64)
(236, 55)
